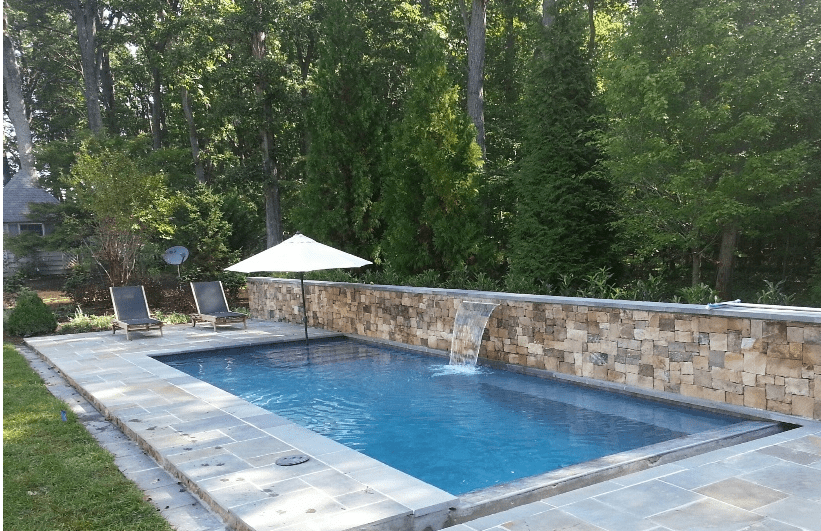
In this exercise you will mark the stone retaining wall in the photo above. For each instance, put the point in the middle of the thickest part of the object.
(763, 359)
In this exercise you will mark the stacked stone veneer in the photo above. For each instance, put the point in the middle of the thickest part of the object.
(765, 360)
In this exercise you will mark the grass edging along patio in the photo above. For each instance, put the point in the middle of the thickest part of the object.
(55, 475)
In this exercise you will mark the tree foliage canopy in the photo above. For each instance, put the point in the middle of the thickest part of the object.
(673, 142)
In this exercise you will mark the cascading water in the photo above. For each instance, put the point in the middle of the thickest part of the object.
(468, 327)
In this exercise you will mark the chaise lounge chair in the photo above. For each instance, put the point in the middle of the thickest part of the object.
(131, 310)
(212, 306)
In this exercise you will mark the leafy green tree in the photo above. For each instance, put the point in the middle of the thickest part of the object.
(430, 188)
(561, 222)
(127, 206)
(113, 186)
(706, 140)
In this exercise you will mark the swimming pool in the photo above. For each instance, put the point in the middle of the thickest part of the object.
(459, 432)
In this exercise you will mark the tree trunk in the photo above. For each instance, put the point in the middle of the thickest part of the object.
(548, 15)
(85, 15)
(273, 216)
(199, 169)
(695, 277)
(591, 19)
(13, 82)
(476, 29)
(726, 260)
(107, 86)
(157, 113)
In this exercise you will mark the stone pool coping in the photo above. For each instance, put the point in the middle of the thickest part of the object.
(223, 448)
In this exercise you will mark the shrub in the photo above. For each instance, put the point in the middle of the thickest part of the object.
(14, 283)
(701, 294)
(30, 316)
(428, 278)
(82, 322)
(651, 289)
(517, 283)
(774, 294)
(232, 283)
(386, 277)
(172, 317)
(596, 285)
(458, 279)
(84, 287)
(483, 282)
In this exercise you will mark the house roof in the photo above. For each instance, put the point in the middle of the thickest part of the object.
(17, 195)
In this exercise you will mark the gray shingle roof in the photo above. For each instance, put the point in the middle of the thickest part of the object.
(17, 195)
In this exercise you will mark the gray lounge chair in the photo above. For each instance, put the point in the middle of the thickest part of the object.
(212, 306)
(131, 310)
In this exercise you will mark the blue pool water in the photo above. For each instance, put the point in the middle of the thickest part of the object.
(456, 430)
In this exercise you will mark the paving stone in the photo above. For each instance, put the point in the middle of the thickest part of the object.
(607, 517)
(186, 455)
(788, 454)
(750, 461)
(795, 511)
(136, 462)
(583, 493)
(332, 483)
(510, 515)
(151, 478)
(698, 477)
(361, 498)
(212, 466)
(387, 515)
(552, 520)
(146, 390)
(209, 423)
(791, 478)
(810, 444)
(247, 449)
(707, 514)
(741, 493)
(768, 524)
(237, 493)
(649, 474)
(288, 509)
(244, 432)
(170, 497)
(649, 498)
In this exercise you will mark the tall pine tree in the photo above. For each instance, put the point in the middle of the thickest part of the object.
(561, 224)
(429, 190)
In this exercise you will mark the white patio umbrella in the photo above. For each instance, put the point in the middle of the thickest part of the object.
(298, 254)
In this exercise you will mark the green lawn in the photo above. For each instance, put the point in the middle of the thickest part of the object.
(55, 475)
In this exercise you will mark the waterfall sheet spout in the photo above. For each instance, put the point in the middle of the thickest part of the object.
(468, 327)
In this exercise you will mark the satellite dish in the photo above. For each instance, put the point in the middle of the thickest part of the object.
(175, 255)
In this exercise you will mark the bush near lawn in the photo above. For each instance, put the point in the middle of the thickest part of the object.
(30, 316)
(55, 475)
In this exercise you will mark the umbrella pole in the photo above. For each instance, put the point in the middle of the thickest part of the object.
(304, 309)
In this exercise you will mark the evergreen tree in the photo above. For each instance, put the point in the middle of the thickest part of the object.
(429, 190)
(356, 94)
(561, 223)
(347, 130)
